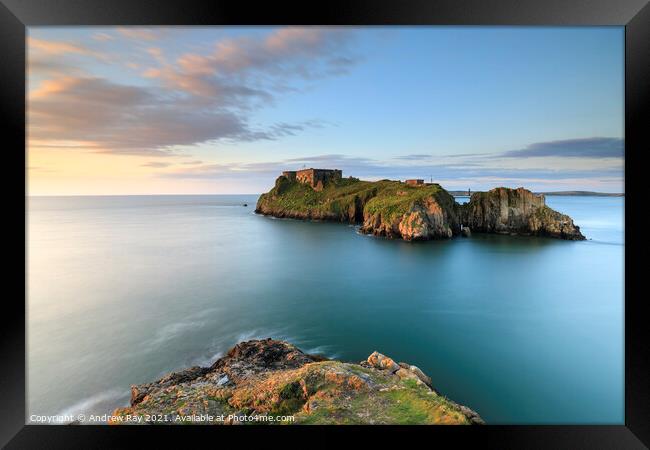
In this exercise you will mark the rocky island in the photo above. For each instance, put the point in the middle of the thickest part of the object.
(411, 210)
(270, 381)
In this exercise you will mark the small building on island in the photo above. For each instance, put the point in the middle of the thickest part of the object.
(415, 182)
(316, 178)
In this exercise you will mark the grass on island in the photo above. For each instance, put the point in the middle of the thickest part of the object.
(395, 198)
(390, 198)
(405, 403)
(337, 196)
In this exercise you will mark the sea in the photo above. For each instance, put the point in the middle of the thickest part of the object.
(123, 289)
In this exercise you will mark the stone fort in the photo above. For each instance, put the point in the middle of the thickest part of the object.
(316, 178)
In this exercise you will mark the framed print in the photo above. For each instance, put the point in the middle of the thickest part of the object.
(386, 218)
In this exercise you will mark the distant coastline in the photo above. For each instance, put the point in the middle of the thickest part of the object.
(557, 193)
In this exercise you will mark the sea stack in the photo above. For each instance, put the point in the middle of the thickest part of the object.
(517, 211)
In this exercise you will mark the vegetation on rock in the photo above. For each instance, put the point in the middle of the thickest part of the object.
(517, 211)
(274, 379)
(416, 212)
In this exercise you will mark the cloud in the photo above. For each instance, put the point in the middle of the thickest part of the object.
(117, 117)
(208, 89)
(103, 37)
(41, 169)
(272, 168)
(301, 51)
(48, 66)
(196, 99)
(475, 175)
(57, 47)
(141, 34)
(595, 147)
(415, 157)
(354, 166)
(156, 164)
(332, 158)
(465, 155)
(48, 57)
(132, 119)
(252, 67)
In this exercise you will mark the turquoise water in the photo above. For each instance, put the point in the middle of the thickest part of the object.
(124, 289)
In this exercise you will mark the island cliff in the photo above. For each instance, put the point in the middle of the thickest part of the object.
(415, 211)
(517, 211)
(264, 381)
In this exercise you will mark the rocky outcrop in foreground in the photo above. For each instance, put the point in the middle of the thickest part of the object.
(417, 212)
(265, 381)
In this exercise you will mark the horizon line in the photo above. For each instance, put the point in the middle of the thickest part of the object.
(260, 193)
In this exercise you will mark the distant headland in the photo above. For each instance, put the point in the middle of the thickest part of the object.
(413, 209)
(554, 193)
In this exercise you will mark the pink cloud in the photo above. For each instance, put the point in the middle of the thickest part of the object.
(56, 47)
(199, 97)
(142, 34)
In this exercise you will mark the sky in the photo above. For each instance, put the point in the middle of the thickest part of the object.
(223, 110)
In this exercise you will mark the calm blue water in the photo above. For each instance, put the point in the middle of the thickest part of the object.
(124, 289)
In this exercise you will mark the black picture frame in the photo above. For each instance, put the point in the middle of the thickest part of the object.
(16, 15)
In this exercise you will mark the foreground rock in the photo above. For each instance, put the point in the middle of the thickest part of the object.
(264, 381)
(425, 211)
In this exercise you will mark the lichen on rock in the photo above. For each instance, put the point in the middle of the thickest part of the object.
(264, 378)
